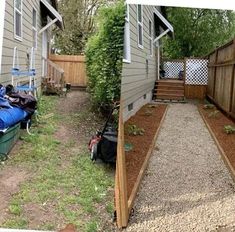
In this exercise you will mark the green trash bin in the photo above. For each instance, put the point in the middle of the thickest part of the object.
(8, 140)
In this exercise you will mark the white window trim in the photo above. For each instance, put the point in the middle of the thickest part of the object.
(2, 17)
(20, 38)
(142, 27)
(127, 37)
(151, 38)
(34, 29)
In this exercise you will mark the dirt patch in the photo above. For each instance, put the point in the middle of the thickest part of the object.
(39, 215)
(10, 180)
(217, 122)
(80, 123)
(147, 118)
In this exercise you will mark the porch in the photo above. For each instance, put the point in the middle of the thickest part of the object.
(181, 79)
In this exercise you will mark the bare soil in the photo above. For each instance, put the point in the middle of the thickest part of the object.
(217, 123)
(147, 118)
(10, 180)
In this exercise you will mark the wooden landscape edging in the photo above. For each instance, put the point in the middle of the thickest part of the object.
(221, 150)
(120, 176)
(122, 204)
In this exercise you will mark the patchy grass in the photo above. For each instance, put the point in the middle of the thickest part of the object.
(65, 185)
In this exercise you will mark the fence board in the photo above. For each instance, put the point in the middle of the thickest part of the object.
(74, 68)
(195, 91)
(221, 78)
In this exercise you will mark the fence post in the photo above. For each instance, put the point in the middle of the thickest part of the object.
(232, 81)
(216, 59)
(185, 69)
(121, 202)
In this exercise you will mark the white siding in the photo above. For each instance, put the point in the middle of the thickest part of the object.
(9, 42)
(135, 81)
(2, 16)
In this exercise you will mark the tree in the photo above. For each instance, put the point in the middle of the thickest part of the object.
(104, 54)
(198, 31)
(79, 23)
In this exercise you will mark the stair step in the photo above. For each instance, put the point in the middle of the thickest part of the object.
(169, 91)
(169, 96)
(170, 87)
(170, 83)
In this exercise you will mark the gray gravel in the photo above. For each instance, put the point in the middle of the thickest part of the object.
(187, 186)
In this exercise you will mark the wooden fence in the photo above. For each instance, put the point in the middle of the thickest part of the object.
(221, 80)
(74, 69)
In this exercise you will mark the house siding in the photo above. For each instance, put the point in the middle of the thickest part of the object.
(9, 42)
(135, 80)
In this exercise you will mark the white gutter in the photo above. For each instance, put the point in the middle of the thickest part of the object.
(209, 4)
(2, 16)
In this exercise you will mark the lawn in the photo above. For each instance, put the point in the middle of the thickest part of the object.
(60, 184)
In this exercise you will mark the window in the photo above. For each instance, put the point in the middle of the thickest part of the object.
(34, 28)
(18, 19)
(140, 25)
(130, 107)
(145, 96)
(150, 38)
(127, 43)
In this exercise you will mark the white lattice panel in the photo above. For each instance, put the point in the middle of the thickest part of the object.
(173, 68)
(196, 72)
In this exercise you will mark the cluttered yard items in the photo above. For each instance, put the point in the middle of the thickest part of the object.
(16, 110)
(104, 144)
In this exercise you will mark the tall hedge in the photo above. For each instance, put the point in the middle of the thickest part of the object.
(104, 54)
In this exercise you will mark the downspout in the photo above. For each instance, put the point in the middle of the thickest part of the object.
(2, 16)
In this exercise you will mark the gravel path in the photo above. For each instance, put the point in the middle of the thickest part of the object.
(187, 186)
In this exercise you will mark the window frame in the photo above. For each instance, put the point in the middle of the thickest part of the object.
(34, 29)
(20, 12)
(127, 40)
(141, 25)
(150, 35)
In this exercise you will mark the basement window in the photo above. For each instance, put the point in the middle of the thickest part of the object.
(140, 26)
(18, 19)
(130, 107)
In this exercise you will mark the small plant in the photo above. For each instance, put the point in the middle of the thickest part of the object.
(208, 106)
(148, 113)
(213, 114)
(229, 129)
(132, 129)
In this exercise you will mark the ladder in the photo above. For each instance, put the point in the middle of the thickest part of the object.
(29, 87)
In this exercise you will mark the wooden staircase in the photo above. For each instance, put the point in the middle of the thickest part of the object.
(169, 89)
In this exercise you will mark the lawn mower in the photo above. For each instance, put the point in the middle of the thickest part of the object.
(104, 144)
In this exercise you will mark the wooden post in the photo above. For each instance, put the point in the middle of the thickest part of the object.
(216, 58)
(120, 177)
(185, 67)
(232, 82)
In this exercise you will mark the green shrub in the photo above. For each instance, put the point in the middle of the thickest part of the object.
(104, 54)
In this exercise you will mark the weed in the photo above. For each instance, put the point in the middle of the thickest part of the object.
(229, 129)
(148, 113)
(208, 106)
(92, 226)
(214, 114)
(132, 129)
